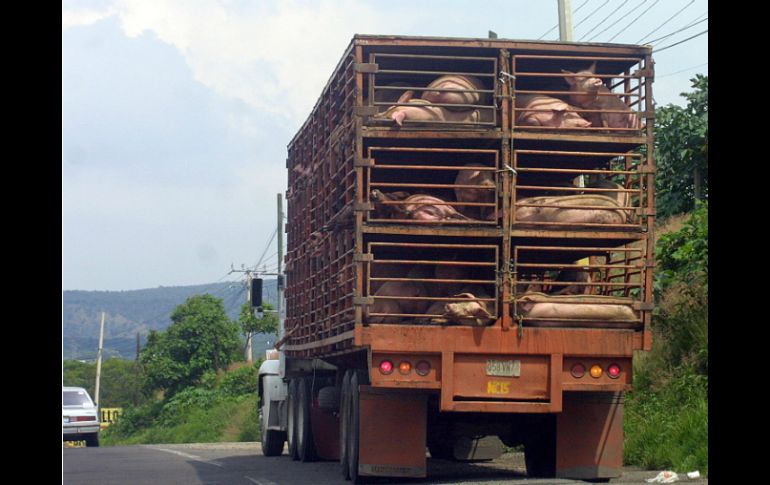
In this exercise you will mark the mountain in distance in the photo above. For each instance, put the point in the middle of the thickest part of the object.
(132, 311)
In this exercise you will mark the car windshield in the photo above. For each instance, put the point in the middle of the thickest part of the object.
(76, 398)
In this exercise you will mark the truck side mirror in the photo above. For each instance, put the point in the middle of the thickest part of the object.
(255, 292)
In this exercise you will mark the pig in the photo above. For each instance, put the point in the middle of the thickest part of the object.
(596, 311)
(464, 311)
(482, 178)
(423, 110)
(389, 95)
(398, 289)
(622, 198)
(455, 81)
(572, 276)
(420, 207)
(589, 92)
(570, 210)
(559, 114)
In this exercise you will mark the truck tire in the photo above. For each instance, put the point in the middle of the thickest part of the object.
(272, 440)
(291, 422)
(344, 424)
(92, 440)
(540, 447)
(329, 399)
(356, 378)
(305, 444)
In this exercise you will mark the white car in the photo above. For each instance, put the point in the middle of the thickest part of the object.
(80, 416)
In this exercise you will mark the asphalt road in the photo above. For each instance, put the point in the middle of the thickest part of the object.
(243, 464)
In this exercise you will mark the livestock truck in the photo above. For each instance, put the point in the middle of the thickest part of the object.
(469, 257)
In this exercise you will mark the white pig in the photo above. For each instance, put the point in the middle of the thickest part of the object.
(589, 92)
(455, 81)
(558, 114)
(422, 110)
(485, 180)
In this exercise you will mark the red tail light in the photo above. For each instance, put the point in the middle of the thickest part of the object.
(613, 371)
(386, 367)
(422, 368)
(578, 371)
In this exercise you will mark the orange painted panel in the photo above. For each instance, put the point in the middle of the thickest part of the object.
(471, 379)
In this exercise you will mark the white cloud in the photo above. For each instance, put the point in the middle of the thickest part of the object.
(276, 57)
(83, 16)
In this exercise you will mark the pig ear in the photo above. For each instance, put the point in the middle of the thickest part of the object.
(405, 97)
(592, 67)
(570, 79)
(481, 312)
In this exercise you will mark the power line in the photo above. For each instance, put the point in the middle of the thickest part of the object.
(682, 41)
(266, 248)
(557, 25)
(632, 22)
(688, 26)
(604, 19)
(664, 23)
(591, 14)
(618, 20)
(682, 70)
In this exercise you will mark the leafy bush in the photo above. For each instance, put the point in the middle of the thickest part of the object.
(241, 381)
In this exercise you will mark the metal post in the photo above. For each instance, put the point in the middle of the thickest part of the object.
(280, 282)
(99, 360)
(565, 20)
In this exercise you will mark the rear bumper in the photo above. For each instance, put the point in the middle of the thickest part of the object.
(79, 430)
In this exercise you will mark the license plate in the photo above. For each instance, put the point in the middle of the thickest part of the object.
(65, 419)
(504, 368)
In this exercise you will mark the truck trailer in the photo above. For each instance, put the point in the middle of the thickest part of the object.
(469, 257)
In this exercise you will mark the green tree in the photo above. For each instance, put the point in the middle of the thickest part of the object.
(119, 380)
(200, 339)
(681, 151)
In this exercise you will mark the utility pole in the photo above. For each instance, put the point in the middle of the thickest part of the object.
(99, 360)
(565, 20)
(280, 282)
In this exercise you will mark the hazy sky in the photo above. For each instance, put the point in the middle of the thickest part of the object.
(176, 114)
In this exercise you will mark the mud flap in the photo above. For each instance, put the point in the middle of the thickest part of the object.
(392, 433)
(589, 435)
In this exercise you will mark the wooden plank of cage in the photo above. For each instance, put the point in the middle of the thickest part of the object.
(425, 56)
(602, 207)
(428, 186)
(426, 245)
(578, 58)
(431, 262)
(451, 203)
(579, 171)
(572, 265)
(647, 287)
(433, 73)
(579, 153)
(475, 222)
(429, 298)
(436, 280)
(434, 167)
(573, 189)
(359, 216)
(562, 93)
(572, 128)
(425, 149)
(574, 248)
(444, 105)
(578, 110)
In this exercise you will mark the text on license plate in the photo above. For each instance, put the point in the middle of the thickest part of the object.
(504, 368)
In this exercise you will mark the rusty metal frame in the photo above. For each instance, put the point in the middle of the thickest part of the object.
(630, 90)
(327, 190)
(372, 167)
(373, 88)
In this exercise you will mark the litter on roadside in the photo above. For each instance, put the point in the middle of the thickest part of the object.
(664, 477)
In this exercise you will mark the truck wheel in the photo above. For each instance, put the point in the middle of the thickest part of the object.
(291, 422)
(92, 440)
(344, 424)
(272, 440)
(329, 399)
(540, 448)
(305, 445)
(354, 427)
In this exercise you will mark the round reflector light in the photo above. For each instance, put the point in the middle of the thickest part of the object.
(578, 371)
(386, 367)
(405, 367)
(596, 371)
(613, 371)
(422, 368)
